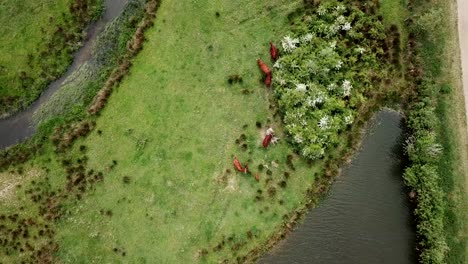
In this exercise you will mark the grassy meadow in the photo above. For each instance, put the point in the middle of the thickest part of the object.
(171, 128)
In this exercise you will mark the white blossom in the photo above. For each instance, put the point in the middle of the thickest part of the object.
(301, 87)
(340, 8)
(298, 139)
(289, 44)
(347, 88)
(307, 38)
(277, 65)
(361, 50)
(346, 26)
(333, 29)
(282, 82)
(320, 98)
(322, 10)
(340, 20)
(339, 64)
(331, 87)
(324, 122)
(348, 120)
(333, 44)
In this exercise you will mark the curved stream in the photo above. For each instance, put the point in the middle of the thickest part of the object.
(20, 126)
(366, 217)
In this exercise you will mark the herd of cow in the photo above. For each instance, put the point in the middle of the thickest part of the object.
(269, 134)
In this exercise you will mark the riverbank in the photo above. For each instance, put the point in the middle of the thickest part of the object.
(437, 122)
(36, 53)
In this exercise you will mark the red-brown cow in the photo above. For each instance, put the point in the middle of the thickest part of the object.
(268, 80)
(239, 167)
(267, 140)
(263, 67)
(273, 52)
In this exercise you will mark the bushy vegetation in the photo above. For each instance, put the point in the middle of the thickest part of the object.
(36, 52)
(432, 170)
(328, 66)
(422, 176)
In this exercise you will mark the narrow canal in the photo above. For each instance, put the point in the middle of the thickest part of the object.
(366, 218)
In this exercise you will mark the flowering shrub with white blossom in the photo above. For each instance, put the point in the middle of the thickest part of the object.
(323, 73)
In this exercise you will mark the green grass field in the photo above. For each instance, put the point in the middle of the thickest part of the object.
(171, 127)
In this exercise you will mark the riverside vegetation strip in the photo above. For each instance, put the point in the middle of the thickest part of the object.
(38, 40)
(169, 130)
(437, 144)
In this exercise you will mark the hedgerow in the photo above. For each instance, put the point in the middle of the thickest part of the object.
(423, 149)
(422, 177)
(326, 72)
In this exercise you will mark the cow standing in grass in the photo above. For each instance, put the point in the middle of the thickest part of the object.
(266, 70)
(273, 52)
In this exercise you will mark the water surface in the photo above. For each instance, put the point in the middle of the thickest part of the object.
(366, 218)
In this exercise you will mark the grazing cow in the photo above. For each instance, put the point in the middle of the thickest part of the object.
(263, 67)
(238, 166)
(273, 52)
(268, 80)
(267, 140)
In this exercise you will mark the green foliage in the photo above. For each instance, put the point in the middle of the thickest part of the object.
(324, 73)
(431, 147)
(422, 175)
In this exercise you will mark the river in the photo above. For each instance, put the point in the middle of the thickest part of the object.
(366, 217)
(20, 126)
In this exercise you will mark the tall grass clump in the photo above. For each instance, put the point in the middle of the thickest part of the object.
(326, 73)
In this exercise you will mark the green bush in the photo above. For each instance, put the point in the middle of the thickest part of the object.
(325, 71)
(424, 151)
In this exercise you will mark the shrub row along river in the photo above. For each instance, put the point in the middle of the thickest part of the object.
(365, 219)
(20, 126)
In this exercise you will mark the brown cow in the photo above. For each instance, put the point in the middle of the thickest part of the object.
(263, 67)
(257, 177)
(273, 52)
(267, 140)
(237, 165)
(268, 80)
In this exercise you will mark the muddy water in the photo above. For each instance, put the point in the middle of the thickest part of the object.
(366, 217)
(20, 126)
